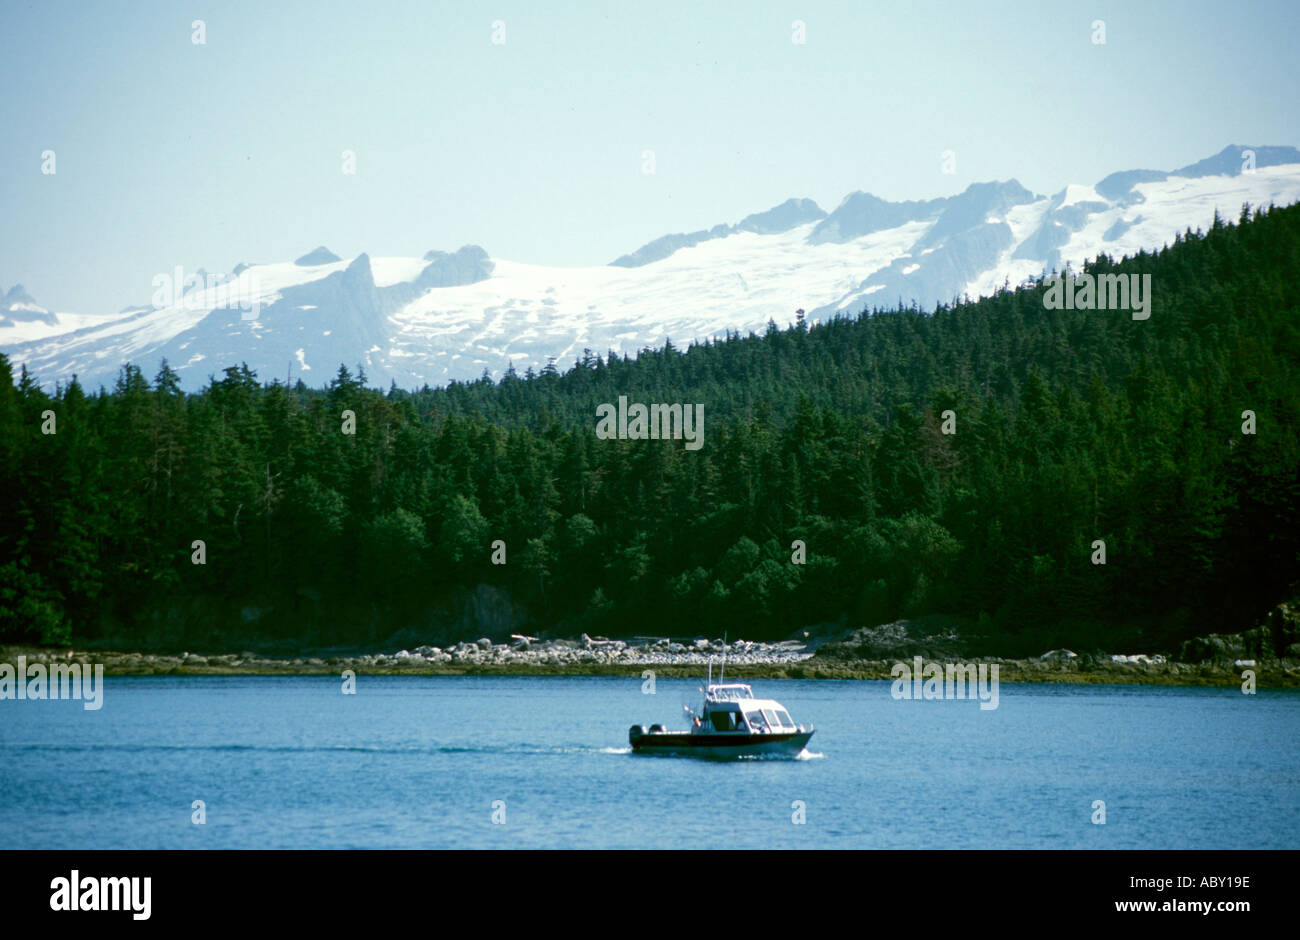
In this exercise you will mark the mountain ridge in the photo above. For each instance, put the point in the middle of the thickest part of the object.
(456, 315)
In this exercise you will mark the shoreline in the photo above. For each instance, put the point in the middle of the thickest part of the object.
(558, 658)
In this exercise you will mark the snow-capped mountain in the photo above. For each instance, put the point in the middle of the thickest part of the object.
(448, 316)
(23, 319)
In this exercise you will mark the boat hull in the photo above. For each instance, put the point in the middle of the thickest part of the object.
(718, 745)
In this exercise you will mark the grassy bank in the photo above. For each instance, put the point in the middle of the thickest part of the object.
(1275, 674)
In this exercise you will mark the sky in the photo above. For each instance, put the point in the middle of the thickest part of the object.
(169, 152)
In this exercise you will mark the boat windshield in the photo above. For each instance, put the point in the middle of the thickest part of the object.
(785, 720)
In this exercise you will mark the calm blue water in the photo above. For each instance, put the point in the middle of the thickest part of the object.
(418, 762)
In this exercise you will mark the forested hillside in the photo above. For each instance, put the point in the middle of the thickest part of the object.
(1070, 426)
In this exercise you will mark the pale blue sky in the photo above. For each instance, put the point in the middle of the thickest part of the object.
(169, 153)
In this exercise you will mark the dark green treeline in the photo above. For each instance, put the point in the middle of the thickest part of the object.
(1070, 427)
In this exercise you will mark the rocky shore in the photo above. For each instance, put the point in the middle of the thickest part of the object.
(860, 655)
(522, 655)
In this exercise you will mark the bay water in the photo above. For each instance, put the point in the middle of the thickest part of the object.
(519, 762)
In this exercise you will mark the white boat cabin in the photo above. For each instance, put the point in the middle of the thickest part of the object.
(732, 707)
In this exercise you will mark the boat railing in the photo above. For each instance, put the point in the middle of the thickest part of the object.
(728, 693)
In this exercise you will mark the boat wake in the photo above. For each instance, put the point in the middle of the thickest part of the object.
(805, 754)
(401, 750)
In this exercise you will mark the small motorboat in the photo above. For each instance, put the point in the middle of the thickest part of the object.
(731, 723)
